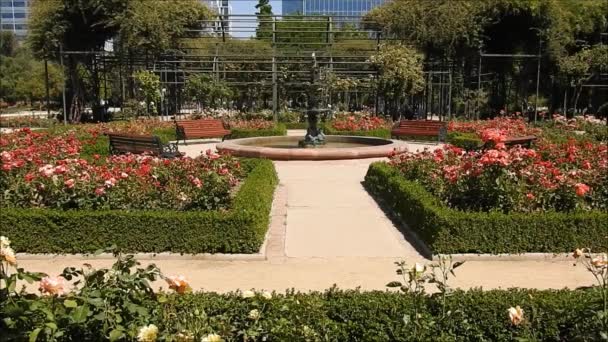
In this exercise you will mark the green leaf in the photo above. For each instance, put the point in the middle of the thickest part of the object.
(162, 299)
(34, 334)
(80, 314)
(116, 335)
(394, 284)
(68, 303)
(51, 326)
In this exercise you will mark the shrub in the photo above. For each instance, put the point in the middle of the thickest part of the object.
(384, 133)
(277, 130)
(238, 230)
(358, 123)
(446, 230)
(297, 125)
(467, 141)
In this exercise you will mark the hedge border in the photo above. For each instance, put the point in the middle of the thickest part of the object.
(350, 315)
(239, 230)
(378, 133)
(448, 231)
(277, 130)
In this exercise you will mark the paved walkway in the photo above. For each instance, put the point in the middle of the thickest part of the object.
(327, 230)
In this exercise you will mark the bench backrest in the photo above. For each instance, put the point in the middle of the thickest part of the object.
(201, 128)
(136, 144)
(206, 123)
(421, 123)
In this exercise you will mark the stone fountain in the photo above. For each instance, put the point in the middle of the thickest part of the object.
(314, 135)
(315, 146)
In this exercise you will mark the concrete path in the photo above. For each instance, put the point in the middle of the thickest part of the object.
(327, 230)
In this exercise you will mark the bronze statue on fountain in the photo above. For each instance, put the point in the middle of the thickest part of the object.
(314, 134)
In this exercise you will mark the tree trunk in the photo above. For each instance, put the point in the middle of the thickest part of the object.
(77, 91)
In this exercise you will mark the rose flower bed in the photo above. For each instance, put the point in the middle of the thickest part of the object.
(359, 125)
(500, 201)
(46, 187)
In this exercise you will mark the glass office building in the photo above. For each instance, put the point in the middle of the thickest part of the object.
(354, 8)
(13, 15)
(224, 8)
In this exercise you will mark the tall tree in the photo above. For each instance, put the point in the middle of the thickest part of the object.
(400, 75)
(264, 14)
(8, 43)
(82, 27)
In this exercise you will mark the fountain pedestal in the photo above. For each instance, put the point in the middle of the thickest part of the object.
(314, 134)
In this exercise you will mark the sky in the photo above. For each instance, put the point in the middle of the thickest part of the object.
(248, 7)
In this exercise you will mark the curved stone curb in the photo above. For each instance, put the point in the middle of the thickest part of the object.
(274, 243)
(377, 148)
(558, 257)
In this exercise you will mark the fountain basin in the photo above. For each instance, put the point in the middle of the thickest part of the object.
(286, 148)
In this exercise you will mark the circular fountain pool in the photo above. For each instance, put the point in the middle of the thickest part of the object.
(286, 148)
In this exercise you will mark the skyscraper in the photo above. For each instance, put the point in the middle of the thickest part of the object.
(293, 7)
(14, 15)
(354, 8)
(222, 7)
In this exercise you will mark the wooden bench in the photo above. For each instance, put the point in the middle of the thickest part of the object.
(427, 128)
(524, 141)
(139, 144)
(197, 129)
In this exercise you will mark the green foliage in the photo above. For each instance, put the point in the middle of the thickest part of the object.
(157, 26)
(8, 43)
(23, 78)
(467, 141)
(112, 304)
(335, 315)
(148, 84)
(238, 230)
(207, 90)
(448, 231)
(379, 132)
(264, 13)
(277, 130)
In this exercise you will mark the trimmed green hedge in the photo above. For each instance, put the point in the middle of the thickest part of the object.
(238, 230)
(467, 141)
(447, 231)
(296, 125)
(278, 130)
(337, 315)
(378, 133)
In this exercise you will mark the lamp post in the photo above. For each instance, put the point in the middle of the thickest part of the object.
(162, 103)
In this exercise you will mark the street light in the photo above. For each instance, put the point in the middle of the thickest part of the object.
(162, 102)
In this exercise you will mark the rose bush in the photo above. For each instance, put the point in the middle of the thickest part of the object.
(510, 127)
(359, 123)
(45, 171)
(251, 124)
(560, 177)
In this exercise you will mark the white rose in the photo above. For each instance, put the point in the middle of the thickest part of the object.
(267, 295)
(248, 294)
(419, 268)
(4, 241)
(148, 333)
(254, 314)
(212, 338)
